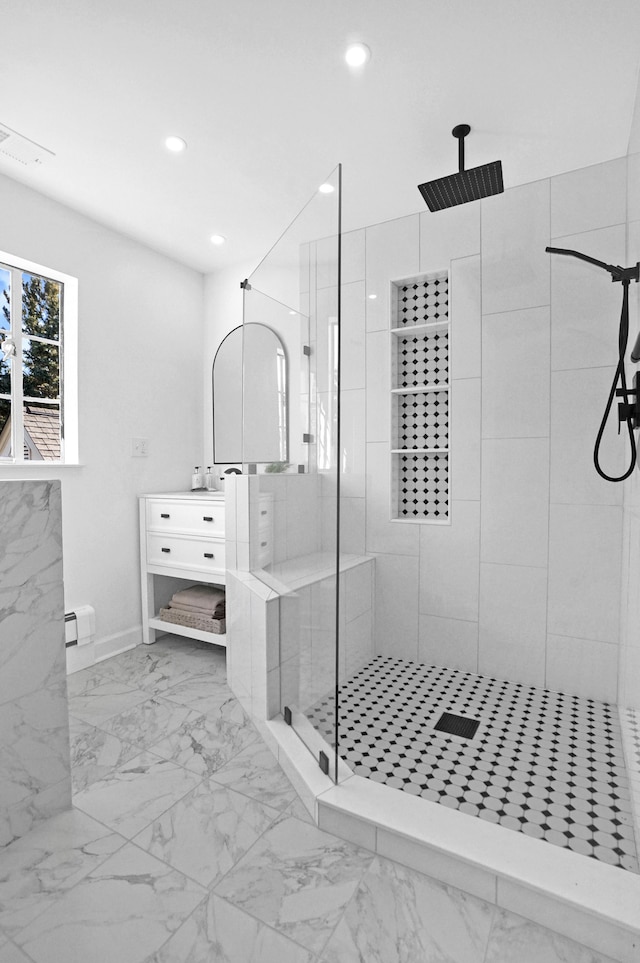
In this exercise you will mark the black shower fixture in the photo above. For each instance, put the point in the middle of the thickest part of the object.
(466, 185)
(628, 410)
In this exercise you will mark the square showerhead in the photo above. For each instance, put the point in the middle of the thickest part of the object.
(462, 187)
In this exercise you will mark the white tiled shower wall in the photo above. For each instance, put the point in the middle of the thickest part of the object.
(526, 582)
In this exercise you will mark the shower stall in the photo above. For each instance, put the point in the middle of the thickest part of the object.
(439, 595)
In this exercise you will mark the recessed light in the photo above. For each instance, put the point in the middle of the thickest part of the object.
(357, 54)
(326, 188)
(217, 239)
(175, 144)
(372, 297)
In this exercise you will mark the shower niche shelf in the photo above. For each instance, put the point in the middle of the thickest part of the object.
(420, 399)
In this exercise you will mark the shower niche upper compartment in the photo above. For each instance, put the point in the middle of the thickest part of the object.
(420, 399)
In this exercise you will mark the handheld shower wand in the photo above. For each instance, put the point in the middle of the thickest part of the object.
(627, 411)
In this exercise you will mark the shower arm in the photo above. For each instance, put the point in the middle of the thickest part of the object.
(625, 275)
(617, 273)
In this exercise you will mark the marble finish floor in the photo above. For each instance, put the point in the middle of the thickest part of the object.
(187, 843)
(539, 762)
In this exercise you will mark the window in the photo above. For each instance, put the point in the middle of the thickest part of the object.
(38, 364)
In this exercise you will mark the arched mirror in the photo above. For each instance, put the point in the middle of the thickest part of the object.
(258, 352)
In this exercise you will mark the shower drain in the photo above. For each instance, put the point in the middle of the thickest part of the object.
(457, 725)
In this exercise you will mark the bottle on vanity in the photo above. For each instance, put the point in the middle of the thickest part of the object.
(209, 480)
(197, 480)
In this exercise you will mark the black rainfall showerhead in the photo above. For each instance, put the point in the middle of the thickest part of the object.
(466, 185)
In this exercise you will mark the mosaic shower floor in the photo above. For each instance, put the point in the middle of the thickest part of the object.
(542, 763)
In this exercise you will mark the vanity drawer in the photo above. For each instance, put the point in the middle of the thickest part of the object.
(204, 518)
(174, 551)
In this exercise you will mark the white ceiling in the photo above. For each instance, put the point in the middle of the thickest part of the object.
(260, 92)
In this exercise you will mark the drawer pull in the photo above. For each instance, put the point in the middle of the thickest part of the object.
(263, 512)
(165, 515)
(207, 518)
(209, 555)
(167, 550)
(263, 544)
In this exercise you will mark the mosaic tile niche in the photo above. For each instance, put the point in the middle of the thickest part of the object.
(420, 398)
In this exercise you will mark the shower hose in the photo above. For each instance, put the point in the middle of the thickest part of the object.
(620, 376)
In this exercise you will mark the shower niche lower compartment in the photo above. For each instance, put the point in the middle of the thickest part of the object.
(420, 399)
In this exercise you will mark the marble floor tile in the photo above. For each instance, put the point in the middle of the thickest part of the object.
(150, 721)
(400, 916)
(136, 793)
(9, 953)
(203, 692)
(256, 772)
(297, 879)
(162, 665)
(105, 699)
(95, 753)
(123, 911)
(218, 931)
(204, 745)
(206, 832)
(38, 868)
(86, 680)
(514, 938)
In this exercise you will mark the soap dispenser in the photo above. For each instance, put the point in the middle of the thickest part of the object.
(197, 481)
(209, 480)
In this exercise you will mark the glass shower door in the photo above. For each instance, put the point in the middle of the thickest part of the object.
(291, 428)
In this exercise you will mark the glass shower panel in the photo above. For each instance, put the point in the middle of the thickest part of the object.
(291, 361)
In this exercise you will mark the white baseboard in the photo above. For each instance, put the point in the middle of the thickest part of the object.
(82, 656)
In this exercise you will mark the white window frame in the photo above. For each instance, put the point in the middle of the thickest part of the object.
(68, 364)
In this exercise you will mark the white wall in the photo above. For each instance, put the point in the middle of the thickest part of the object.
(140, 375)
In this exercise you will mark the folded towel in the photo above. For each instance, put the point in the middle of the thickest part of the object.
(218, 612)
(203, 596)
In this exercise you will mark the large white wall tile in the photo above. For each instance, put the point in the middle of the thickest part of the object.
(515, 486)
(352, 336)
(465, 316)
(378, 386)
(453, 233)
(353, 256)
(515, 374)
(585, 312)
(629, 677)
(449, 564)
(465, 441)
(358, 590)
(448, 642)
(589, 198)
(513, 608)
(352, 443)
(633, 187)
(392, 252)
(515, 232)
(383, 535)
(352, 525)
(578, 400)
(582, 667)
(584, 571)
(396, 606)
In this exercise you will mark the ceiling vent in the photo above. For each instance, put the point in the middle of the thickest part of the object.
(21, 149)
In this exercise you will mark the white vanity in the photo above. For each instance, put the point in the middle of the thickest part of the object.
(181, 537)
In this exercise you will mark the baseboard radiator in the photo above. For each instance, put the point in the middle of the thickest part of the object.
(80, 626)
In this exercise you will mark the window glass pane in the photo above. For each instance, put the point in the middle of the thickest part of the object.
(41, 306)
(5, 289)
(41, 432)
(5, 366)
(40, 369)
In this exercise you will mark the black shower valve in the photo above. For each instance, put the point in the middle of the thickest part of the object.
(630, 410)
